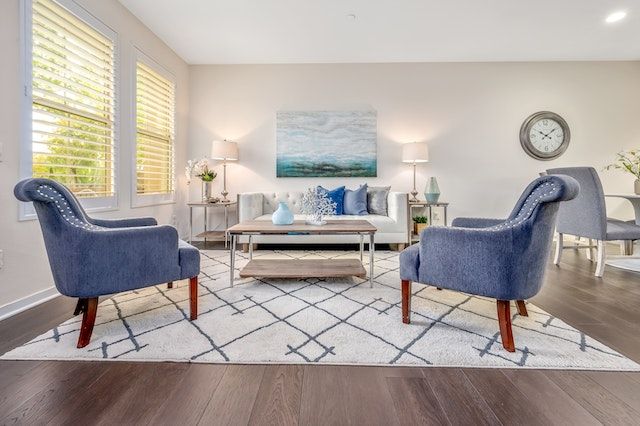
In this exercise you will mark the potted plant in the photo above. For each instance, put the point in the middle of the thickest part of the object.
(629, 162)
(419, 223)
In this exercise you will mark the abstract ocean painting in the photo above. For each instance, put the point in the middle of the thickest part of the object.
(326, 143)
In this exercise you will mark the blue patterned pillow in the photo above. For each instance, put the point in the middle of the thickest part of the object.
(355, 202)
(337, 196)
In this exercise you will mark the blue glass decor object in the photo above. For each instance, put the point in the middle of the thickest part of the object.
(432, 190)
(282, 216)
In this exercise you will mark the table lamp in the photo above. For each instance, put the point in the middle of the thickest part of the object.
(415, 152)
(225, 151)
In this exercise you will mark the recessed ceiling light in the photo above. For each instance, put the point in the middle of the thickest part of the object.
(616, 16)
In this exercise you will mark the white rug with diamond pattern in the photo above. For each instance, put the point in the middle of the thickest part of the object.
(340, 321)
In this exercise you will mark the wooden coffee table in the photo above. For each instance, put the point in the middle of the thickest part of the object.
(303, 268)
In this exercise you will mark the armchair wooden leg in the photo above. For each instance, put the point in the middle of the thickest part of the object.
(81, 306)
(406, 301)
(522, 308)
(89, 308)
(193, 298)
(504, 318)
(170, 284)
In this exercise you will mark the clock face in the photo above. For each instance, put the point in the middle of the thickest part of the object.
(544, 135)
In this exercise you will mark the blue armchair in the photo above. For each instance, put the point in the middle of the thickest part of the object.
(502, 259)
(93, 257)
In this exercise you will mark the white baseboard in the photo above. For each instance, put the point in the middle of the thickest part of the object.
(20, 305)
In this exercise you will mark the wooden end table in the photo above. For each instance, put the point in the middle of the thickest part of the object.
(303, 268)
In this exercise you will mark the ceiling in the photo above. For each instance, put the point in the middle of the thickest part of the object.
(320, 31)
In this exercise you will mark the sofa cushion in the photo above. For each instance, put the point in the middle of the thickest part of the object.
(270, 201)
(355, 201)
(377, 199)
(337, 196)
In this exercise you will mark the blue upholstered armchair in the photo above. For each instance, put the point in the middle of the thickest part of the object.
(502, 259)
(92, 257)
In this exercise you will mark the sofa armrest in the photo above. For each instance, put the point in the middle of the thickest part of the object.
(475, 222)
(397, 207)
(249, 206)
(124, 223)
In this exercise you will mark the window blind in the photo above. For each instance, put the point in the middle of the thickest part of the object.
(155, 104)
(73, 101)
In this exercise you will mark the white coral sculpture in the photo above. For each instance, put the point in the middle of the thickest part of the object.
(317, 204)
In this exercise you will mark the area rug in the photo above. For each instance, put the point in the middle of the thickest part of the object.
(629, 264)
(326, 321)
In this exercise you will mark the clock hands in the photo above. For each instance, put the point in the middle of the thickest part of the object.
(546, 135)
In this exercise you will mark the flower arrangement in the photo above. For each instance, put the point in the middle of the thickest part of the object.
(316, 204)
(629, 162)
(199, 168)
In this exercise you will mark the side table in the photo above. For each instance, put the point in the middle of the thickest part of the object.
(212, 235)
(414, 205)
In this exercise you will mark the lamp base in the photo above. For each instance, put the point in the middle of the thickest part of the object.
(414, 197)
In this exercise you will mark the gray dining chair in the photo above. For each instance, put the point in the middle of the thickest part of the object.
(586, 216)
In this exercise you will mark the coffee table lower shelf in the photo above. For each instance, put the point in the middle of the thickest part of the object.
(303, 268)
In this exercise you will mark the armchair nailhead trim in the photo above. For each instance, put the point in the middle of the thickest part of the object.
(64, 208)
(542, 193)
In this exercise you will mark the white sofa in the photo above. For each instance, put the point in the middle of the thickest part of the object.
(392, 229)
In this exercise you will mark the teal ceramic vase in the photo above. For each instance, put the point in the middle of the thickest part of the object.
(432, 190)
(283, 215)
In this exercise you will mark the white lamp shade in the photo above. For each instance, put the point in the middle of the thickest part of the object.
(224, 150)
(415, 152)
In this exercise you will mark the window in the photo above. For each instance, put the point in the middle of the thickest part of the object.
(155, 105)
(73, 101)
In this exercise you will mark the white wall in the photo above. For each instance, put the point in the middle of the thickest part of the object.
(469, 113)
(26, 269)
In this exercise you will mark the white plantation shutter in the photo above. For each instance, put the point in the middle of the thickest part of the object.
(73, 101)
(155, 111)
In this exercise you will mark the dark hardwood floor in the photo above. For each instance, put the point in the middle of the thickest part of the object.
(52, 392)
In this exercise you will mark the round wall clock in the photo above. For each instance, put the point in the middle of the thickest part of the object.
(544, 135)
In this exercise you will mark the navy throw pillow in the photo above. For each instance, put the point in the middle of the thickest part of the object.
(355, 202)
(337, 196)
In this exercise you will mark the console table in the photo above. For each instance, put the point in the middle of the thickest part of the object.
(303, 268)
(212, 235)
